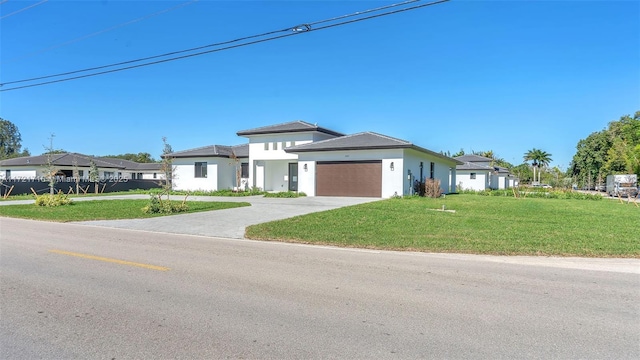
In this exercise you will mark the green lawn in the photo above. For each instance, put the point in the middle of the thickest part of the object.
(481, 224)
(102, 210)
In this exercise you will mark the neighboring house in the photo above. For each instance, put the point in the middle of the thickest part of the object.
(299, 156)
(211, 168)
(32, 167)
(478, 173)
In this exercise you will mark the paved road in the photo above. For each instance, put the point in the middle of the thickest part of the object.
(225, 298)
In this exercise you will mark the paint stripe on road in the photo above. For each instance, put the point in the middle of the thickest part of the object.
(115, 261)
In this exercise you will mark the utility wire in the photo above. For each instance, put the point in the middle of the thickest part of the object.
(100, 31)
(204, 46)
(23, 9)
(296, 30)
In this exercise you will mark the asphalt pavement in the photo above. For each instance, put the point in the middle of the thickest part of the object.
(70, 291)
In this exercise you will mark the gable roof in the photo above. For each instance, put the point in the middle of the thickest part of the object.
(363, 141)
(289, 127)
(473, 158)
(80, 160)
(241, 151)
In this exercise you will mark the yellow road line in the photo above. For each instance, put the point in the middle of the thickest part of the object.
(115, 261)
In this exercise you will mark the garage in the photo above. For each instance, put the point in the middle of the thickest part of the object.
(349, 178)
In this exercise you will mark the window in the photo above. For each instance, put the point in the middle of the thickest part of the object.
(284, 144)
(108, 174)
(155, 176)
(275, 146)
(266, 146)
(139, 176)
(293, 143)
(472, 175)
(81, 174)
(244, 170)
(7, 174)
(201, 170)
(432, 170)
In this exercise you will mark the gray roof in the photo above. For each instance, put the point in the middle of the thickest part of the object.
(473, 158)
(290, 127)
(80, 160)
(241, 151)
(479, 167)
(362, 141)
(473, 166)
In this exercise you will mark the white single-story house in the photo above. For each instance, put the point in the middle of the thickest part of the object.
(211, 168)
(478, 173)
(32, 167)
(299, 156)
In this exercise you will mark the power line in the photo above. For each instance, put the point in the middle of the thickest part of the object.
(101, 31)
(23, 9)
(204, 46)
(296, 30)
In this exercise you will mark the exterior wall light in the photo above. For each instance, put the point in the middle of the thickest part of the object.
(305, 167)
(391, 166)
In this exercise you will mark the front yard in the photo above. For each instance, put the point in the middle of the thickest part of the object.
(103, 210)
(480, 224)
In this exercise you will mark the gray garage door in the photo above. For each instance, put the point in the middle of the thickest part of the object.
(349, 178)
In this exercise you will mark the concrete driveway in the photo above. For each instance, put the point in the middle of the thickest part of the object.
(229, 223)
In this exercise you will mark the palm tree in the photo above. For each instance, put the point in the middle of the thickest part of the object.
(538, 158)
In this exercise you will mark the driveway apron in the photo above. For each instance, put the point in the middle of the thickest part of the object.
(231, 223)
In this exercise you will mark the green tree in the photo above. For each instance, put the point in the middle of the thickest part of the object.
(10, 141)
(141, 157)
(539, 160)
(459, 153)
(94, 174)
(613, 150)
(167, 165)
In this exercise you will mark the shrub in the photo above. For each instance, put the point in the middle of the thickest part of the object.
(285, 194)
(538, 194)
(158, 206)
(432, 188)
(49, 200)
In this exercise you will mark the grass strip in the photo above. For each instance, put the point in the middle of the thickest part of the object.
(103, 210)
(480, 225)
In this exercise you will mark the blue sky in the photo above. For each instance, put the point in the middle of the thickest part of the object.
(505, 76)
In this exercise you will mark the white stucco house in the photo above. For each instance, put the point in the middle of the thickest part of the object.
(211, 168)
(478, 173)
(299, 156)
(32, 167)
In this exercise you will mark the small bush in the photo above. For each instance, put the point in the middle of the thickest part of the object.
(158, 206)
(49, 200)
(285, 194)
(538, 194)
(432, 188)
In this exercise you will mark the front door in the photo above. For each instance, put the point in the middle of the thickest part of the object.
(293, 176)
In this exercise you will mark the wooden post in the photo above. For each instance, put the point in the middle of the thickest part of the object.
(9, 192)
(34, 192)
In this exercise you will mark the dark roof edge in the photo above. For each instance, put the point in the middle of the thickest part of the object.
(265, 132)
(406, 146)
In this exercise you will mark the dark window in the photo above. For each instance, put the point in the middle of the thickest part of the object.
(473, 175)
(155, 176)
(244, 169)
(432, 170)
(81, 173)
(7, 174)
(201, 170)
(275, 146)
